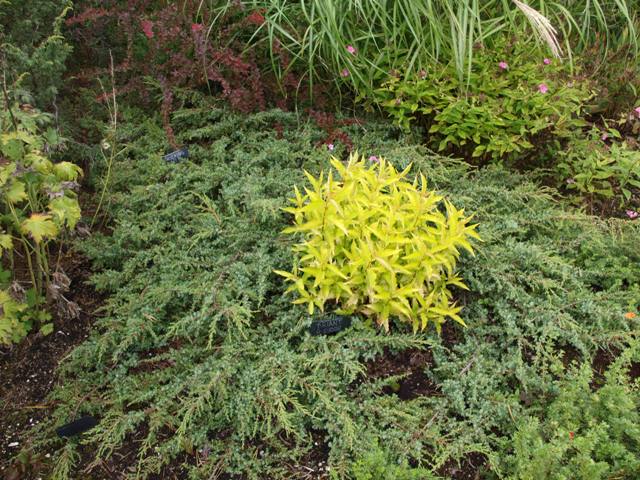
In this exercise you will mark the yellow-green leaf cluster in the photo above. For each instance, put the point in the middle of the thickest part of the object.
(12, 328)
(37, 204)
(377, 244)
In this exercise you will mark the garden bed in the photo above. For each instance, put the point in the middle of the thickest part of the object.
(202, 365)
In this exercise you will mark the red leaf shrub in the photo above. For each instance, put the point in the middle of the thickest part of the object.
(175, 46)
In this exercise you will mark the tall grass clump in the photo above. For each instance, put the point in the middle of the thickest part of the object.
(360, 43)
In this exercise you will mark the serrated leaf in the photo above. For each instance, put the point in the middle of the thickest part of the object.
(13, 149)
(66, 171)
(66, 210)
(6, 241)
(15, 192)
(39, 226)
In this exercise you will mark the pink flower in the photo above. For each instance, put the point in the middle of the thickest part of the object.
(604, 137)
(197, 27)
(542, 88)
(637, 110)
(147, 28)
(632, 214)
(344, 72)
(546, 61)
(423, 74)
(330, 147)
(570, 181)
(503, 65)
(351, 49)
(373, 158)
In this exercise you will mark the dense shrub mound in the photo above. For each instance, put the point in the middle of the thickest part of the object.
(202, 361)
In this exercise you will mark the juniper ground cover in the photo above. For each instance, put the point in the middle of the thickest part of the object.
(201, 361)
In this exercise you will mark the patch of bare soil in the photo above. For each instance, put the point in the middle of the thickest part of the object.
(28, 370)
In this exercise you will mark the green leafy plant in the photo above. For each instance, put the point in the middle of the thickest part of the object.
(584, 434)
(376, 464)
(34, 51)
(410, 36)
(200, 351)
(38, 202)
(513, 102)
(599, 166)
(376, 244)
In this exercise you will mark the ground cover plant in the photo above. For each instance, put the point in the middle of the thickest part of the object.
(306, 182)
(203, 362)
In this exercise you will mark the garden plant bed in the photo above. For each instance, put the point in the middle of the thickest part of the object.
(188, 237)
(325, 240)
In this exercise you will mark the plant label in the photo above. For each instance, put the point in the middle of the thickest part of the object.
(77, 426)
(331, 324)
(175, 157)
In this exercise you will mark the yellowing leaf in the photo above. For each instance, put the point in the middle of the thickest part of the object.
(15, 192)
(66, 171)
(39, 226)
(66, 210)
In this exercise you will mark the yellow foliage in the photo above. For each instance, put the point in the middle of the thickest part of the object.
(376, 244)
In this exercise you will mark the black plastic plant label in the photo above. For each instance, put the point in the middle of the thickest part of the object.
(77, 426)
(175, 157)
(330, 324)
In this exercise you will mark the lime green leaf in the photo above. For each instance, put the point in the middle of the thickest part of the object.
(66, 210)
(46, 329)
(6, 241)
(66, 171)
(16, 192)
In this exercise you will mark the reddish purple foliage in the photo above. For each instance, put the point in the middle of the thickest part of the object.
(173, 44)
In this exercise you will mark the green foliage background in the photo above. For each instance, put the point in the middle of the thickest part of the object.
(200, 351)
(33, 48)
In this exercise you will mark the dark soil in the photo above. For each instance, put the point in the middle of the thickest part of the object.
(468, 468)
(413, 364)
(28, 370)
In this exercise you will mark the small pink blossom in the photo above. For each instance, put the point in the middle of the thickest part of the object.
(197, 27)
(604, 137)
(542, 88)
(351, 49)
(373, 158)
(423, 74)
(503, 65)
(147, 28)
(570, 181)
(330, 147)
(632, 214)
(637, 110)
(546, 61)
(344, 72)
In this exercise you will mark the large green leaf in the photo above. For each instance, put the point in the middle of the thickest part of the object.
(16, 192)
(13, 149)
(66, 210)
(66, 171)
